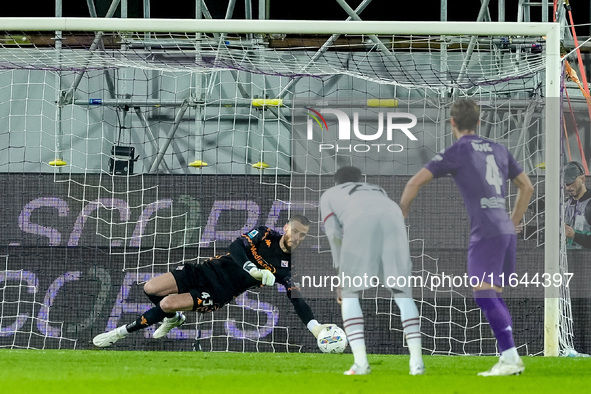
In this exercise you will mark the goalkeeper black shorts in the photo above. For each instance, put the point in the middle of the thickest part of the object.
(190, 279)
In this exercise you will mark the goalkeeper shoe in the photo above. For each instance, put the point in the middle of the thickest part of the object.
(358, 370)
(168, 324)
(503, 368)
(110, 337)
(417, 368)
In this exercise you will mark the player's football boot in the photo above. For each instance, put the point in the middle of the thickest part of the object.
(417, 368)
(109, 338)
(168, 324)
(503, 368)
(358, 370)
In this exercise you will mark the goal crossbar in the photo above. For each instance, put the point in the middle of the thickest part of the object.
(279, 26)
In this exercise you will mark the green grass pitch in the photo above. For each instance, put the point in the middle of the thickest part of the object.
(104, 371)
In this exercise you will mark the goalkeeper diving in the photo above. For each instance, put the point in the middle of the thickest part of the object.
(260, 257)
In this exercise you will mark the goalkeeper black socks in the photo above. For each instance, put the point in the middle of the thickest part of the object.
(148, 318)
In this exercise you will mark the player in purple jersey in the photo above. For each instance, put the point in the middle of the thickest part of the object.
(481, 169)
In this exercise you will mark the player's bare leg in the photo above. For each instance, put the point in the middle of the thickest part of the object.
(354, 328)
(173, 303)
(161, 285)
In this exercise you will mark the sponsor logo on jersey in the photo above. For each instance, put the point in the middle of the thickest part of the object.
(284, 263)
(493, 202)
(255, 253)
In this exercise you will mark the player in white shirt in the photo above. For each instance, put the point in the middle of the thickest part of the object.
(368, 238)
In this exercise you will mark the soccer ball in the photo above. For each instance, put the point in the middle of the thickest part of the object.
(332, 339)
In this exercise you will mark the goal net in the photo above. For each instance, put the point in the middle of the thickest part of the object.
(133, 146)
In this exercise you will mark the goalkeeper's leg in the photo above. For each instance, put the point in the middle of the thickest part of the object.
(354, 328)
(144, 320)
(160, 286)
(159, 290)
(409, 315)
(170, 306)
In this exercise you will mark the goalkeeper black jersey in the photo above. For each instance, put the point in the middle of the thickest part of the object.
(226, 279)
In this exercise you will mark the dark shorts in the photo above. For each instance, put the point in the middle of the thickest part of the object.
(191, 279)
(492, 258)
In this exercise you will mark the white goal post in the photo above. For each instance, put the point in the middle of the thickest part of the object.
(553, 71)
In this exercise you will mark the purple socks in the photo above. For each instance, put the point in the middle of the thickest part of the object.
(496, 312)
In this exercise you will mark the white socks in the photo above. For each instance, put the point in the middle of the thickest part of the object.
(510, 356)
(409, 315)
(122, 331)
(354, 326)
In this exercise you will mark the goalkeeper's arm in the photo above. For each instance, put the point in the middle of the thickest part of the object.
(265, 276)
(238, 253)
(303, 310)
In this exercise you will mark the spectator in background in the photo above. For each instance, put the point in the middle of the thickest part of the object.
(577, 229)
(577, 215)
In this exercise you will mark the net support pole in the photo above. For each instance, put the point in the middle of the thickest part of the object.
(248, 15)
(262, 9)
(95, 44)
(320, 51)
(177, 120)
(59, 132)
(202, 10)
(552, 188)
(108, 79)
(523, 153)
(146, 125)
(480, 18)
(275, 111)
(199, 82)
(374, 38)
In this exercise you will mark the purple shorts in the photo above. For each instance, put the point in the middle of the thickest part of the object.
(492, 258)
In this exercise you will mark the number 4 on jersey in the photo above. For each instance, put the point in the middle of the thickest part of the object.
(492, 173)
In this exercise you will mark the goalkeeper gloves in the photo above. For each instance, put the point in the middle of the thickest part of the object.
(265, 276)
(318, 328)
